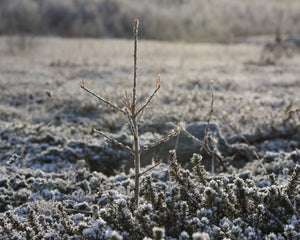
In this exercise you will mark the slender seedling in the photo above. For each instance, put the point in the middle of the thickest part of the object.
(204, 145)
(133, 112)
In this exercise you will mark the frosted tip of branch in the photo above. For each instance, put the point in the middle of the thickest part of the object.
(157, 85)
(136, 23)
(81, 83)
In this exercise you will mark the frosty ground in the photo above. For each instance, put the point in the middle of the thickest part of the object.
(47, 121)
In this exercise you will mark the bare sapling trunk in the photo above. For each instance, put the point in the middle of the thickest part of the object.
(137, 164)
(137, 155)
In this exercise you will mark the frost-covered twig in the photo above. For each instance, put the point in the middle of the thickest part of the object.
(82, 85)
(291, 205)
(113, 140)
(272, 215)
(162, 140)
(204, 146)
(157, 87)
(135, 36)
(209, 116)
(191, 136)
(149, 169)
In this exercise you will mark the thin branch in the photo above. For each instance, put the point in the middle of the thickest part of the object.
(290, 204)
(209, 116)
(176, 143)
(113, 140)
(126, 101)
(207, 130)
(272, 215)
(191, 136)
(188, 134)
(135, 34)
(149, 169)
(102, 99)
(204, 146)
(148, 101)
(165, 139)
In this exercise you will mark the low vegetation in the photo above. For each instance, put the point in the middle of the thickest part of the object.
(175, 203)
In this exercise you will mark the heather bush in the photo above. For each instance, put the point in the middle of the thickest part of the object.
(173, 204)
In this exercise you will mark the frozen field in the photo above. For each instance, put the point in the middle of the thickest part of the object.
(46, 119)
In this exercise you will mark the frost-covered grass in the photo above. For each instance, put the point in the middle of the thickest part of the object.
(175, 203)
(50, 187)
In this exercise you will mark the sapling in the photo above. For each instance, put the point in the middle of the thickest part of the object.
(133, 112)
(208, 144)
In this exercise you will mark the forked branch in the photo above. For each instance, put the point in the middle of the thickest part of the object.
(126, 102)
(131, 124)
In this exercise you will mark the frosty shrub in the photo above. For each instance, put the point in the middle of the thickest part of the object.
(174, 204)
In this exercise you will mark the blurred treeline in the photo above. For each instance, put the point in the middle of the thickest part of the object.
(188, 20)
